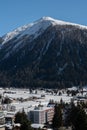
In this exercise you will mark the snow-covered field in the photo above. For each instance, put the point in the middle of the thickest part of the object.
(27, 99)
(30, 100)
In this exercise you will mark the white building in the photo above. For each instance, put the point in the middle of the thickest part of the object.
(2, 121)
(41, 115)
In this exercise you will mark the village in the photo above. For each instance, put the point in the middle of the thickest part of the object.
(38, 104)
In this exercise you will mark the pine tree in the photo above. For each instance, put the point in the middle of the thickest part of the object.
(21, 118)
(78, 118)
(57, 119)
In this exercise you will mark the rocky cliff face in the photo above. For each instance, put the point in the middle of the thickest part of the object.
(47, 53)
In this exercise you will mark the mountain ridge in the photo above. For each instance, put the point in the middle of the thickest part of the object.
(50, 20)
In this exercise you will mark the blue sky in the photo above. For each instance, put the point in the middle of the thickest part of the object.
(15, 13)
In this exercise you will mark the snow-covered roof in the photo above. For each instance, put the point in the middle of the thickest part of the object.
(73, 88)
(37, 125)
(17, 124)
(1, 126)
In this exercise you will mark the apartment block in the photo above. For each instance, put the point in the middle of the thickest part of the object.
(41, 115)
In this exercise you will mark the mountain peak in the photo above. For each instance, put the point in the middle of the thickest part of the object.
(52, 20)
(34, 28)
(46, 18)
(37, 27)
(61, 22)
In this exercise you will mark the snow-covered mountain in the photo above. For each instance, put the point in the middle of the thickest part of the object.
(45, 51)
(36, 28)
(33, 30)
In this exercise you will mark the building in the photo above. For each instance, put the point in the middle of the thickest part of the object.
(41, 115)
(49, 114)
(9, 118)
(2, 121)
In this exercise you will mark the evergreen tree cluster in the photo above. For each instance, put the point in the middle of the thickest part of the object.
(75, 117)
(21, 118)
(57, 119)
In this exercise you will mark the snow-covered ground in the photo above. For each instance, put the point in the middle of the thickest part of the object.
(33, 99)
(23, 99)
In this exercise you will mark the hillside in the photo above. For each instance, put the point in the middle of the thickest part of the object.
(46, 53)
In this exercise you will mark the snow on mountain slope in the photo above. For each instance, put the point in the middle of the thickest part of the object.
(14, 33)
(30, 29)
(60, 22)
(36, 28)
